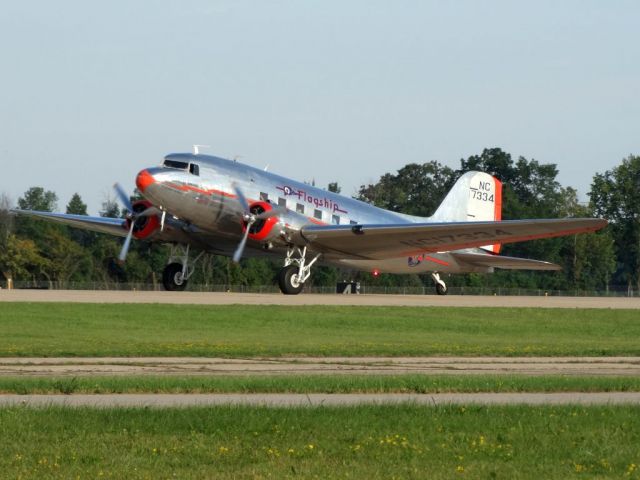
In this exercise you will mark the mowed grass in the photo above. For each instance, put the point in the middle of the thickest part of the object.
(317, 384)
(62, 329)
(357, 442)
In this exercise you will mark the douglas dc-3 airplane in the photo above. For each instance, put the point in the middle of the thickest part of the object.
(222, 206)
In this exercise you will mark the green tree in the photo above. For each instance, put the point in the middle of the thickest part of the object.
(529, 188)
(334, 187)
(67, 260)
(76, 206)
(415, 189)
(588, 260)
(19, 257)
(36, 198)
(615, 195)
(110, 208)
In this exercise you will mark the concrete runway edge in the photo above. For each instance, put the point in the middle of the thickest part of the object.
(216, 298)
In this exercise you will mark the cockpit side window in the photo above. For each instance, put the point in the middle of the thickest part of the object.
(194, 169)
(175, 164)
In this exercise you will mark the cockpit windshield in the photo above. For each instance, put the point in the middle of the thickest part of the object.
(175, 164)
(192, 168)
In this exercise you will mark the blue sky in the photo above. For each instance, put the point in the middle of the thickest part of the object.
(92, 92)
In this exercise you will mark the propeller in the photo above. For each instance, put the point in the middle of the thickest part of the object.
(133, 216)
(122, 195)
(251, 218)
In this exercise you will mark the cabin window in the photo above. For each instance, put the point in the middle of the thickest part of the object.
(175, 164)
(300, 208)
(317, 214)
(194, 169)
(282, 202)
(335, 219)
(264, 196)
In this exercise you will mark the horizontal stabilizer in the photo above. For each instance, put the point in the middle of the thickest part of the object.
(499, 261)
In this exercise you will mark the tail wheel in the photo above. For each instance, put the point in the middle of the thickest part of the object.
(172, 278)
(288, 280)
(441, 288)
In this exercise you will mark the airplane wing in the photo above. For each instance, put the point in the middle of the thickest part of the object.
(112, 226)
(389, 241)
(505, 263)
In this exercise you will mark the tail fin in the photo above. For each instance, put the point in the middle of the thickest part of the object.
(475, 197)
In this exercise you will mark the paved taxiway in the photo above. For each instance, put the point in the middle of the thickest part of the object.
(206, 298)
(182, 366)
(319, 399)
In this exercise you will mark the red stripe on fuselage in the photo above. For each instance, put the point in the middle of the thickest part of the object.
(436, 260)
(191, 188)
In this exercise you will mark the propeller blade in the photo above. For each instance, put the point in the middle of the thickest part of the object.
(271, 213)
(122, 195)
(127, 243)
(237, 255)
(241, 198)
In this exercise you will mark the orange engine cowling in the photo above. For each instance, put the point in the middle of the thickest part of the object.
(261, 229)
(145, 226)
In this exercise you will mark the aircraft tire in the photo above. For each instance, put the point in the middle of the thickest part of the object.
(441, 288)
(287, 281)
(172, 278)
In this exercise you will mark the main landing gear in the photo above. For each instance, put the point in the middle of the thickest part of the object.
(441, 287)
(296, 271)
(178, 270)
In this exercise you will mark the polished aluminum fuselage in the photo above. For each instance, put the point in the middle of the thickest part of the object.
(205, 203)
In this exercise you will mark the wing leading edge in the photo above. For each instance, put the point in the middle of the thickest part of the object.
(389, 241)
(112, 226)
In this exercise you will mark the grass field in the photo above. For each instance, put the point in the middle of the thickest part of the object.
(317, 384)
(58, 329)
(364, 442)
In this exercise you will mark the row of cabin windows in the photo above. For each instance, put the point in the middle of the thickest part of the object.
(282, 202)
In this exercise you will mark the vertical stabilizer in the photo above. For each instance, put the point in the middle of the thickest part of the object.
(475, 197)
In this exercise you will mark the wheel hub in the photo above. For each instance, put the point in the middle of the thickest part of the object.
(295, 280)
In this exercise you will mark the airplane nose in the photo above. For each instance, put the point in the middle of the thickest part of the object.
(144, 179)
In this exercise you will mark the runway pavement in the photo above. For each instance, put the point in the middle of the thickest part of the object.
(319, 399)
(206, 298)
(182, 366)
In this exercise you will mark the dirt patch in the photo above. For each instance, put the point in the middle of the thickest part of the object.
(592, 366)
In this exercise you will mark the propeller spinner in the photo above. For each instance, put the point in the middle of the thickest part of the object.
(250, 218)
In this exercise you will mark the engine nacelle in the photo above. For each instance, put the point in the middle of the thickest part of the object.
(145, 226)
(262, 229)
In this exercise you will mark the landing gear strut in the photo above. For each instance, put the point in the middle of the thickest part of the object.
(296, 271)
(178, 270)
(441, 287)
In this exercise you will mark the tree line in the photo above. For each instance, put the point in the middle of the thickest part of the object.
(38, 251)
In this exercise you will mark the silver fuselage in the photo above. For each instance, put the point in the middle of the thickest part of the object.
(202, 197)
